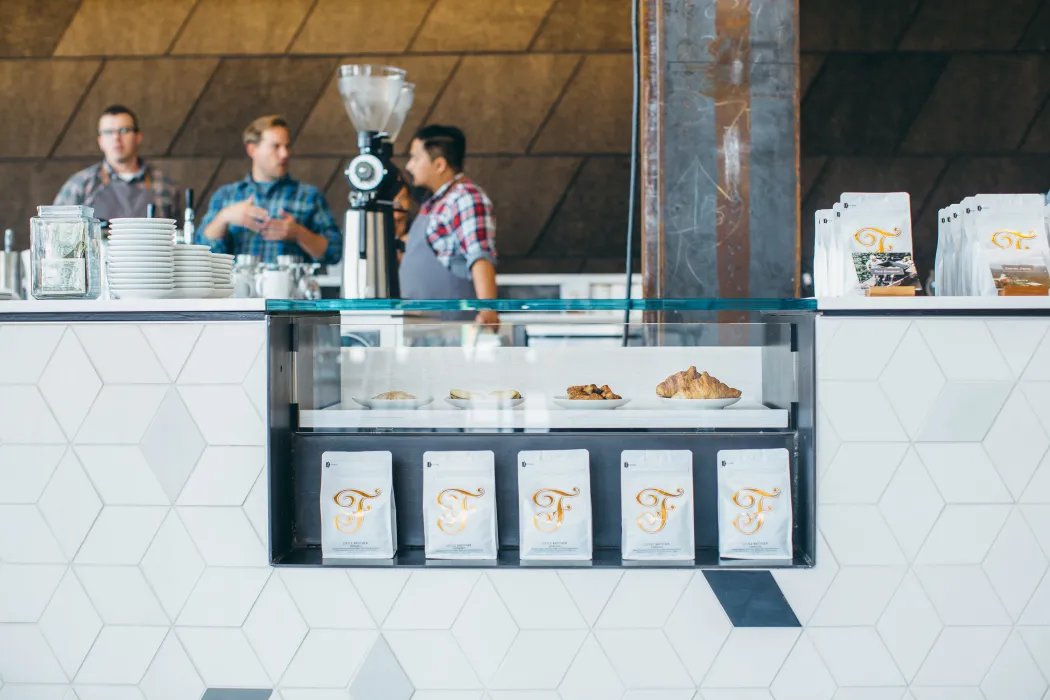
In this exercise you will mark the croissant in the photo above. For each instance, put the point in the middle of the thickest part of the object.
(690, 385)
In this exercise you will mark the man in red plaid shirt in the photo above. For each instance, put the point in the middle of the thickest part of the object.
(451, 248)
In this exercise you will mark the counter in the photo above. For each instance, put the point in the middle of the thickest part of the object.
(134, 534)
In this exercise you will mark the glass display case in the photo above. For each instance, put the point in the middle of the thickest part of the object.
(412, 377)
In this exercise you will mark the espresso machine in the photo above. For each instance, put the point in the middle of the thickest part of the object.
(377, 99)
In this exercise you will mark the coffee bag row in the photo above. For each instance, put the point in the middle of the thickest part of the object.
(993, 245)
(864, 242)
(359, 519)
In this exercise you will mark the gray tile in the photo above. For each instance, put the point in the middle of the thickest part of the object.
(237, 694)
(751, 598)
(172, 444)
(381, 676)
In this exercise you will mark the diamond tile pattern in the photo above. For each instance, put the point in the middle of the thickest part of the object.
(925, 562)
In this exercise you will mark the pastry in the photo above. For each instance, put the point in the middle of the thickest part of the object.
(504, 395)
(461, 394)
(393, 396)
(691, 385)
(591, 392)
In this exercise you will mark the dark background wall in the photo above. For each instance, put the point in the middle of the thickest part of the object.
(939, 98)
(541, 87)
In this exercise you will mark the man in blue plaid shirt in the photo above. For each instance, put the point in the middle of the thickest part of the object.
(268, 213)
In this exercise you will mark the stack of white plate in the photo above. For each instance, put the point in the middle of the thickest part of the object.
(222, 275)
(140, 259)
(193, 279)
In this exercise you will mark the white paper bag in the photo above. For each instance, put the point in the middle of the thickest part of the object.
(754, 504)
(358, 515)
(459, 505)
(554, 505)
(656, 497)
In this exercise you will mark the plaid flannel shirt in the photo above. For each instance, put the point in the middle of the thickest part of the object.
(88, 181)
(462, 228)
(305, 204)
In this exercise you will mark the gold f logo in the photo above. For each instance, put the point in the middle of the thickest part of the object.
(455, 509)
(354, 499)
(550, 521)
(1006, 239)
(870, 236)
(653, 522)
(750, 521)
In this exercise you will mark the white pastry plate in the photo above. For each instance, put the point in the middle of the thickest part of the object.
(484, 404)
(589, 404)
(696, 404)
(394, 404)
(141, 220)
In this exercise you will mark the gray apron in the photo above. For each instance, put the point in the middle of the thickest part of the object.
(422, 276)
(116, 198)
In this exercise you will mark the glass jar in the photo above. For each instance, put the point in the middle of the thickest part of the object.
(66, 253)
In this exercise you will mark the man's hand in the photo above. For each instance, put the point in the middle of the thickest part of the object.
(246, 214)
(489, 318)
(282, 228)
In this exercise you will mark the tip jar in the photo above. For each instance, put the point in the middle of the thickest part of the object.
(66, 253)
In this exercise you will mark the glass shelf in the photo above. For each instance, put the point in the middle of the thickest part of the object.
(533, 305)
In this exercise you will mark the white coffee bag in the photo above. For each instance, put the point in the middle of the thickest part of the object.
(754, 504)
(459, 505)
(358, 515)
(876, 228)
(656, 497)
(554, 505)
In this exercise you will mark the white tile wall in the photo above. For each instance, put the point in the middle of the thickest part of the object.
(133, 564)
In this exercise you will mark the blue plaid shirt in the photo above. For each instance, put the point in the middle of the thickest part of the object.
(305, 204)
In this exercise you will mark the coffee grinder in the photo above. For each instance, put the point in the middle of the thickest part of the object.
(377, 99)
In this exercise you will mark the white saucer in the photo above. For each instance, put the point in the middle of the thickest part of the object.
(180, 293)
(136, 233)
(484, 405)
(140, 246)
(139, 265)
(143, 293)
(695, 404)
(589, 404)
(222, 293)
(141, 278)
(394, 404)
(131, 259)
(142, 220)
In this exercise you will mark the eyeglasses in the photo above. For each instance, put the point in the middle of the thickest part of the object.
(122, 131)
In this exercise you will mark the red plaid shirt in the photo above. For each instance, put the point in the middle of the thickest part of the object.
(462, 228)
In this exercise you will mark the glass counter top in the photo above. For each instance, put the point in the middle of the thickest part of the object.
(538, 305)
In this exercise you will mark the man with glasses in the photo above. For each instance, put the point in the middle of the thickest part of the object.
(122, 185)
